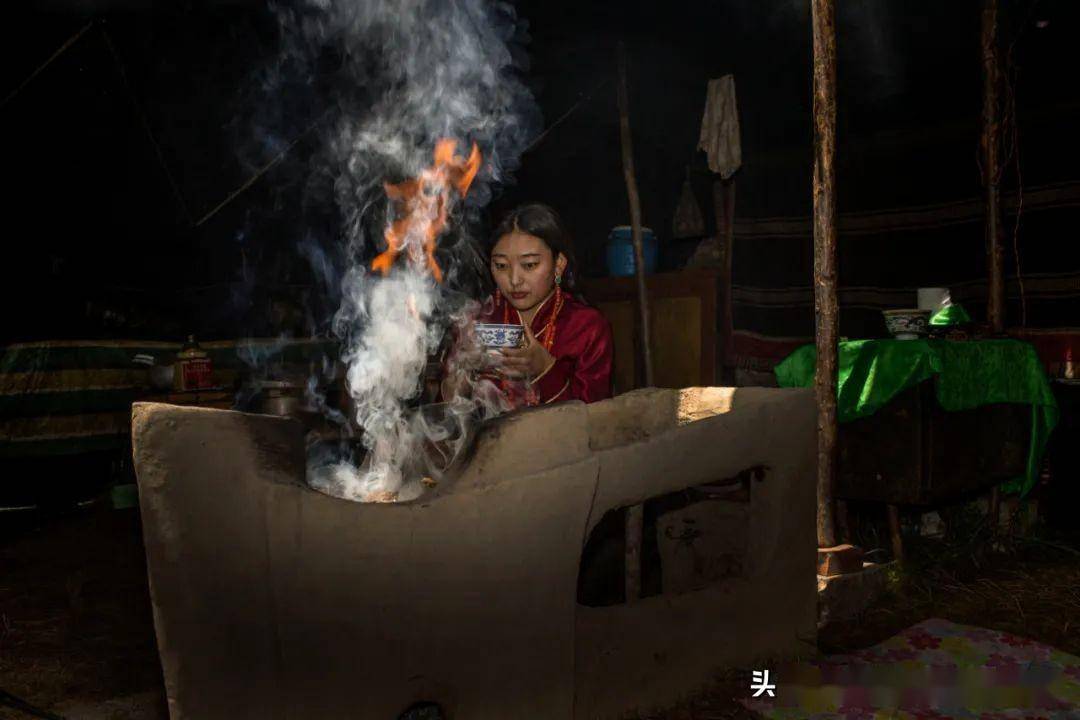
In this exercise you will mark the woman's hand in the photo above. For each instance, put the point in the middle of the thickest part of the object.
(528, 361)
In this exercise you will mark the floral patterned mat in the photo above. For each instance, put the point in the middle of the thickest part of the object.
(936, 669)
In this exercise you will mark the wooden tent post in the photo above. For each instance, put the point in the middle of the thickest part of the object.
(635, 530)
(895, 536)
(991, 161)
(634, 515)
(635, 216)
(724, 205)
(824, 32)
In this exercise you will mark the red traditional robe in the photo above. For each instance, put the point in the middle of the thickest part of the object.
(582, 348)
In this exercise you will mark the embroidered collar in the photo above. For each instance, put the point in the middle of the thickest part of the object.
(537, 316)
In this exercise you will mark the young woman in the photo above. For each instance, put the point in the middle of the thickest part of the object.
(567, 349)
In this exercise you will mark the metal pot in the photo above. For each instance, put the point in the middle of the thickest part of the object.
(279, 397)
(283, 405)
(288, 398)
(161, 376)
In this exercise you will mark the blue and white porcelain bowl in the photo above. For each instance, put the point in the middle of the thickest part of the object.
(907, 324)
(494, 335)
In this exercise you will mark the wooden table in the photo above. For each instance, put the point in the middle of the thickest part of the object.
(912, 452)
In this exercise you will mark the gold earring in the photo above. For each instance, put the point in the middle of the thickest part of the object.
(558, 279)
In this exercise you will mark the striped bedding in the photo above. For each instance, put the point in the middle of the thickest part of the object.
(69, 397)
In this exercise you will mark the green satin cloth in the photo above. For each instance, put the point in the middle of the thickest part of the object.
(966, 374)
(950, 315)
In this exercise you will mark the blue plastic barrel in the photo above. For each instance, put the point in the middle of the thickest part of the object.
(620, 251)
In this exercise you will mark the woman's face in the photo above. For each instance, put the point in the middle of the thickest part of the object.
(524, 268)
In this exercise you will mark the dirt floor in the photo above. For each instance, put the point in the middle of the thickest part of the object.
(76, 632)
(76, 628)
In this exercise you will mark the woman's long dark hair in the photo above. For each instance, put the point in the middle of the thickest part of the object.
(543, 222)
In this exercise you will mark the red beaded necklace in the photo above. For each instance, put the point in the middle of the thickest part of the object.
(546, 336)
(547, 333)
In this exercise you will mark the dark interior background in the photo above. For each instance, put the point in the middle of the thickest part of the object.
(116, 150)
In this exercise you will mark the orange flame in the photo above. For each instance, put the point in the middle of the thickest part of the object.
(421, 206)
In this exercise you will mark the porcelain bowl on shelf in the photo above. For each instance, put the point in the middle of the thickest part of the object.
(495, 335)
(907, 324)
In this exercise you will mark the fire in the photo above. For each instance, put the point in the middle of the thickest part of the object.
(421, 206)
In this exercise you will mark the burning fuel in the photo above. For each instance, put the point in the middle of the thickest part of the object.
(428, 91)
(422, 203)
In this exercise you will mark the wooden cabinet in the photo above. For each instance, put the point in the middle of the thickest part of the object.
(683, 315)
(913, 452)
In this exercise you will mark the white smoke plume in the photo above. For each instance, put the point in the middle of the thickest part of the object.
(403, 74)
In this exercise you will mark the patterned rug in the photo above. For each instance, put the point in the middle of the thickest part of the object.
(936, 669)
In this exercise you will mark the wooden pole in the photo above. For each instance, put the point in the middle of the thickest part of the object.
(635, 525)
(994, 512)
(724, 204)
(635, 514)
(991, 161)
(895, 535)
(40, 68)
(146, 126)
(263, 170)
(824, 32)
(635, 216)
